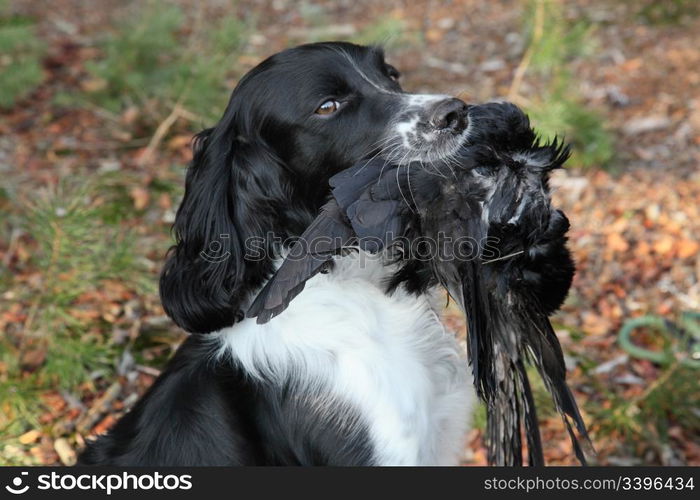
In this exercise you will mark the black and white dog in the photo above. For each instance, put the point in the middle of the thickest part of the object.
(349, 374)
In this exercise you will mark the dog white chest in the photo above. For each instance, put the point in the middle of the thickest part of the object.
(389, 357)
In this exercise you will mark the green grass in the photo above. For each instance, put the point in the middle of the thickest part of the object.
(643, 422)
(155, 59)
(671, 12)
(640, 421)
(479, 417)
(559, 109)
(21, 53)
(564, 116)
(75, 253)
(386, 31)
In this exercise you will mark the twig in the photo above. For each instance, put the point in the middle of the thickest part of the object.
(98, 408)
(537, 33)
(148, 370)
(189, 115)
(65, 452)
(658, 382)
(160, 132)
(632, 408)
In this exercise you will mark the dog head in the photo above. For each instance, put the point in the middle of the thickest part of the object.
(292, 122)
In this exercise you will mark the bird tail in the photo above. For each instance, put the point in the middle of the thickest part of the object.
(512, 411)
(499, 373)
(504, 332)
(547, 356)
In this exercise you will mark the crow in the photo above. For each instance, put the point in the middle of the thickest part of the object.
(481, 225)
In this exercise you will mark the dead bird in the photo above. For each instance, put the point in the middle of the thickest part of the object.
(496, 244)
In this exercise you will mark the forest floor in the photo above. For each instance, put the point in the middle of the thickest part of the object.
(94, 145)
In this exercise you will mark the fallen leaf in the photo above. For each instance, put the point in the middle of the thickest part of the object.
(631, 65)
(104, 424)
(84, 314)
(595, 324)
(165, 201)
(33, 358)
(93, 84)
(664, 245)
(130, 115)
(140, 196)
(30, 437)
(179, 142)
(687, 248)
(65, 451)
(433, 35)
(642, 249)
(617, 243)
(53, 400)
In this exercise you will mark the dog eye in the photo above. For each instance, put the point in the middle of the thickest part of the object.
(328, 107)
(392, 72)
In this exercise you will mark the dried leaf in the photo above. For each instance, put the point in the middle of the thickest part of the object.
(140, 196)
(30, 437)
(664, 245)
(33, 358)
(617, 243)
(688, 248)
(93, 84)
(65, 452)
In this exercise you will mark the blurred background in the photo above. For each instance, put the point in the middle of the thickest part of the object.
(99, 101)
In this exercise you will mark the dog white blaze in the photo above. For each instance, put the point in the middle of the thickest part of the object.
(387, 356)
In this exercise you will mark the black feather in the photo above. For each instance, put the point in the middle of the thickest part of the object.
(327, 235)
(363, 212)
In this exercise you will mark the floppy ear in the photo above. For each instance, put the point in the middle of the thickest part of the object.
(234, 200)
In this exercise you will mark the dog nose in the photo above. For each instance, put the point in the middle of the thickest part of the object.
(450, 114)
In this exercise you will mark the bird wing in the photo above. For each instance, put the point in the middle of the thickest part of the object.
(377, 215)
(363, 212)
(329, 233)
(347, 185)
